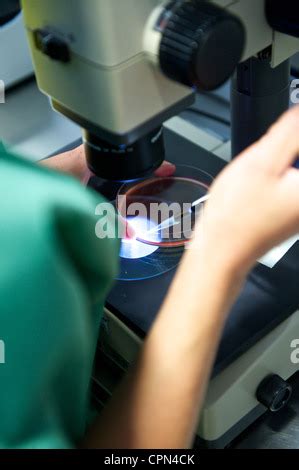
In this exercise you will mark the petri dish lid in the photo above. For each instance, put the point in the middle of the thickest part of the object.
(164, 206)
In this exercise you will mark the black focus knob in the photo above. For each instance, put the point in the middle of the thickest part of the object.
(274, 393)
(53, 46)
(201, 44)
(283, 16)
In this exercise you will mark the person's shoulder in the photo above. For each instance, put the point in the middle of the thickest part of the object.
(57, 214)
(23, 175)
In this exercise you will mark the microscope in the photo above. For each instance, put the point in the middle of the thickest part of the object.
(16, 65)
(121, 69)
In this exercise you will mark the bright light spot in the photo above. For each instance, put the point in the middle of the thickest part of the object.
(132, 248)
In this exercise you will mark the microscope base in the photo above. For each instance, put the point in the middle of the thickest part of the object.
(231, 404)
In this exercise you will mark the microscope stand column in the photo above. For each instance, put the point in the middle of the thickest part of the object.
(259, 95)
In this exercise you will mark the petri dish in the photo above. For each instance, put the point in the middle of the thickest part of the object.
(154, 265)
(164, 205)
(141, 261)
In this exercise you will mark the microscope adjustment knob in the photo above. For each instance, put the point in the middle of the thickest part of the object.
(283, 17)
(274, 393)
(201, 44)
(53, 46)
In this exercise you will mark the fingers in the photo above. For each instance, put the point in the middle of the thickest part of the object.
(130, 232)
(86, 177)
(279, 148)
(166, 170)
(127, 231)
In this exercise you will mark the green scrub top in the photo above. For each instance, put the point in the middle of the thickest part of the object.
(54, 277)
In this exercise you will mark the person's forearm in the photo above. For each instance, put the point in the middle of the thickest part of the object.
(158, 404)
(72, 162)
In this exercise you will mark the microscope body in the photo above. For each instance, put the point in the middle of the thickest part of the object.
(110, 83)
(121, 69)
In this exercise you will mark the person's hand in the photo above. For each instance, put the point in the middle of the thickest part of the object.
(72, 163)
(254, 203)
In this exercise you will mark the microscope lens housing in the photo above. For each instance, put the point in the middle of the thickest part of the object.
(124, 162)
(121, 69)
